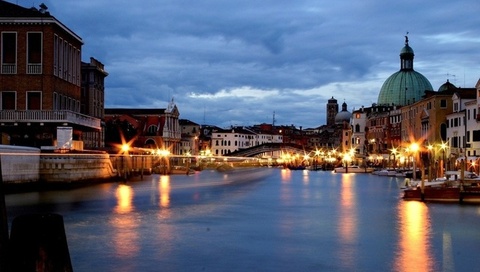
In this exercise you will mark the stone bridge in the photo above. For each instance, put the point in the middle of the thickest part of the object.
(265, 148)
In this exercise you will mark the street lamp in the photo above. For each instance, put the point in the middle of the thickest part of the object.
(430, 155)
(347, 158)
(414, 148)
(443, 146)
(394, 151)
(124, 148)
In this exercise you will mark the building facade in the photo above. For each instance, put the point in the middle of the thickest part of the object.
(92, 102)
(40, 79)
(144, 128)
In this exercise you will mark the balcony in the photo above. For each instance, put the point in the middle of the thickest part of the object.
(9, 69)
(39, 116)
(35, 69)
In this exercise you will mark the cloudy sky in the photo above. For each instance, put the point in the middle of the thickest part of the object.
(237, 62)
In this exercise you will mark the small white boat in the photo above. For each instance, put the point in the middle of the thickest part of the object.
(353, 169)
(385, 172)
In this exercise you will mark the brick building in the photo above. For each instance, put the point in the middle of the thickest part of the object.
(40, 79)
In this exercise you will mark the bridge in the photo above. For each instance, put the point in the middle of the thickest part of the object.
(268, 147)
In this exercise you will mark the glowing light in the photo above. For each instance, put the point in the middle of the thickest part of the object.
(124, 196)
(414, 248)
(164, 189)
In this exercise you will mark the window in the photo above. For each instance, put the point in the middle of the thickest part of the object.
(9, 101)
(443, 103)
(152, 130)
(34, 53)
(443, 132)
(476, 136)
(454, 141)
(9, 52)
(34, 100)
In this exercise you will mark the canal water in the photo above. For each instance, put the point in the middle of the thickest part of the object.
(261, 220)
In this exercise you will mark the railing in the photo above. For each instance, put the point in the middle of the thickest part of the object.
(34, 69)
(9, 69)
(49, 117)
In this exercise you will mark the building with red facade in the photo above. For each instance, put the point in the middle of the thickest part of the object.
(144, 128)
(40, 80)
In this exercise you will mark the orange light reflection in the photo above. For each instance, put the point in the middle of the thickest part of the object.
(164, 191)
(125, 234)
(124, 196)
(347, 224)
(414, 247)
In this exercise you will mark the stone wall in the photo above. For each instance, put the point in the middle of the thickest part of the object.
(19, 164)
(67, 167)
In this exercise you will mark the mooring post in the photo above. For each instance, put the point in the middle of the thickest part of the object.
(38, 243)
(4, 224)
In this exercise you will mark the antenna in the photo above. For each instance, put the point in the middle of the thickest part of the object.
(273, 121)
(204, 115)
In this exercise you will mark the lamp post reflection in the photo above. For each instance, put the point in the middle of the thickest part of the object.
(414, 244)
(125, 234)
(348, 222)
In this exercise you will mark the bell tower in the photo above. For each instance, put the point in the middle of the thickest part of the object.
(332, 110)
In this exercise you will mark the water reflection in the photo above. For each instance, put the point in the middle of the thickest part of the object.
(164, 233)
(124, 196)
(123, 224)
(448, 263)
(414, 253)
(347, 225)
(164, 191)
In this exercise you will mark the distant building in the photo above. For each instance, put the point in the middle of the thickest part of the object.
(190, 137)
(40, 80)
(93, 100)
(145, 128)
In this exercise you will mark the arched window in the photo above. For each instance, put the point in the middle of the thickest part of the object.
(357, 128)
(150, 143)
(152, 130)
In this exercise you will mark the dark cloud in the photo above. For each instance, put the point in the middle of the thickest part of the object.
(237, 62)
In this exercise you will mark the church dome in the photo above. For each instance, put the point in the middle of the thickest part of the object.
(343, 116)
(405, 86)
(447, 86)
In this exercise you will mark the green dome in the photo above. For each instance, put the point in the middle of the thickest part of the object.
(447, 86)
(403, 88)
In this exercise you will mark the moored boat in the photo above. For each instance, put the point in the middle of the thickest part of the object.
(385, 172)
(353, 169)
(443, 193)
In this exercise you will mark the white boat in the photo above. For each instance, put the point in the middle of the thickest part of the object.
(353, 169)
(385, 172)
